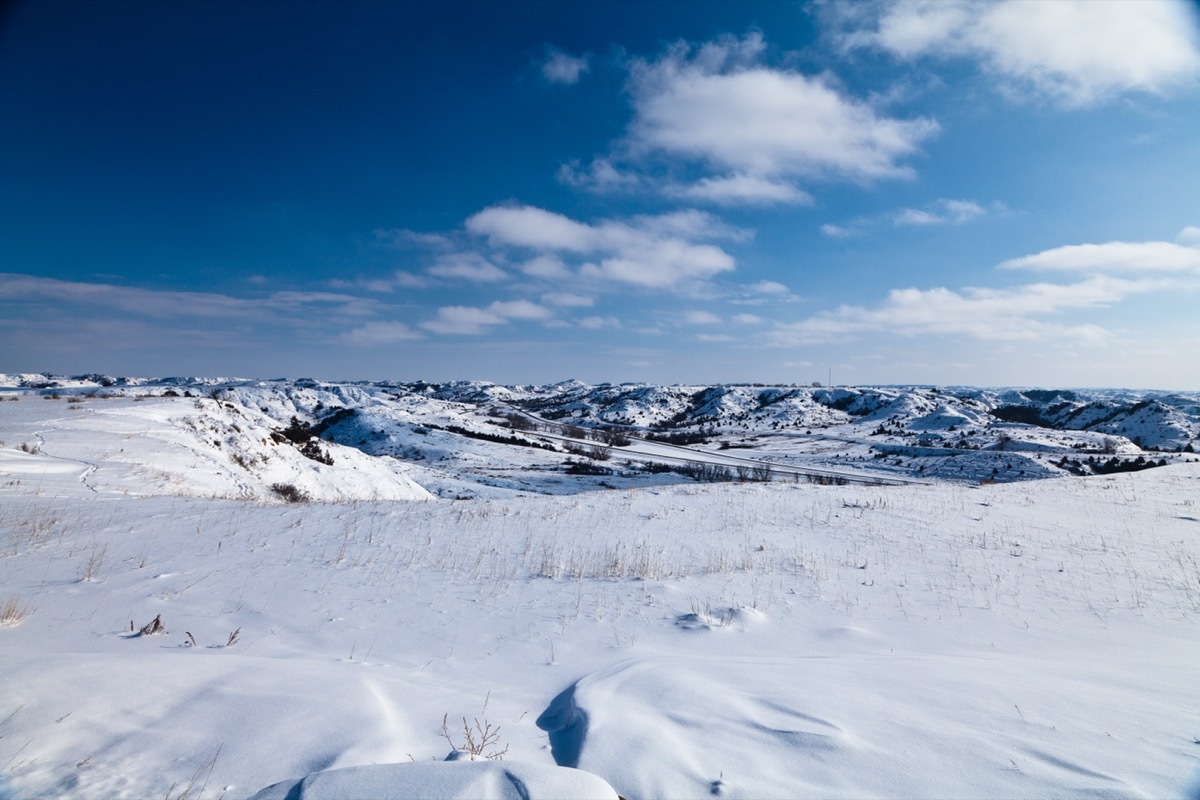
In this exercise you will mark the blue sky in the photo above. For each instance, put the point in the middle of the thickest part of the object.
(993, 194)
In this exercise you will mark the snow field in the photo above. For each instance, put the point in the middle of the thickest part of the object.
(1036, 639)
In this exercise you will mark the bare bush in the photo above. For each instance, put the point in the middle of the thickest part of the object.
(478, 741)
(290, 492)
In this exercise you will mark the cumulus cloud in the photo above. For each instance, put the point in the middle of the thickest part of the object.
(1077, 52)
(1113, 257)
(1189, 236)
(757, 130)
(562, 68)
(658, 252)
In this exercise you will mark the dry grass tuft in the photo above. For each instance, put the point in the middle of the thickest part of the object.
(12, 612)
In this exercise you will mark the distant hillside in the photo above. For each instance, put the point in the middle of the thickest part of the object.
(466, 439)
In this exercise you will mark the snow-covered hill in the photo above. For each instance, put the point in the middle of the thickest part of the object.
(477, 439)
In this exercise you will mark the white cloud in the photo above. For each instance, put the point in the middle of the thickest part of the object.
(650, 251)
(701, 318)
(562, 68)
(758, 126)
(601, 175)
(545, 266)
(982, 313)
(762, 293)
(748, 319)
(597, 323)
(1113, 257)
(838, 231)
(467, 266)
(519, 309)
(470, 321)
(568, 300)
(940, 213)
(770, 287)
(740, 189)
(404, 238)
(167, 303)
(462, 320)
(714, 338)
(409, 280)
(1078, 52)
(379, 333)
(1189, 236)
(757, 130)
(528, 226)
(943, 211)
(912, 216)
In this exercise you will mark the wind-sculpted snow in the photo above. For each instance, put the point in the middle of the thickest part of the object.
(442, 780)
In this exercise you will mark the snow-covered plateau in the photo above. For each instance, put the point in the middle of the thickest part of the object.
(231, 588)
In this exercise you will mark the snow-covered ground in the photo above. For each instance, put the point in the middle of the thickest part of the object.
(671, 638)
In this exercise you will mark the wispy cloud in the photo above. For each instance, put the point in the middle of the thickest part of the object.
(1113, 257)
(380, 333)
(1077, 52)
(559, 67)
(757, 130)
(944, 211)
(167, 303)
(469, 267)
(701, 318)
(1022, 313)
(471, 321)
(940, 213)
(596, 323)
(982, 313)
(405, 238)
(568, 300)
(740, 189)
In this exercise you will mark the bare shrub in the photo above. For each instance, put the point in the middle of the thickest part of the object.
(614, 437)
(478, 741)
(290, 492)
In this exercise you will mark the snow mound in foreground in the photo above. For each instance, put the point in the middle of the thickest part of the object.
(787, 728)
(444, 780)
